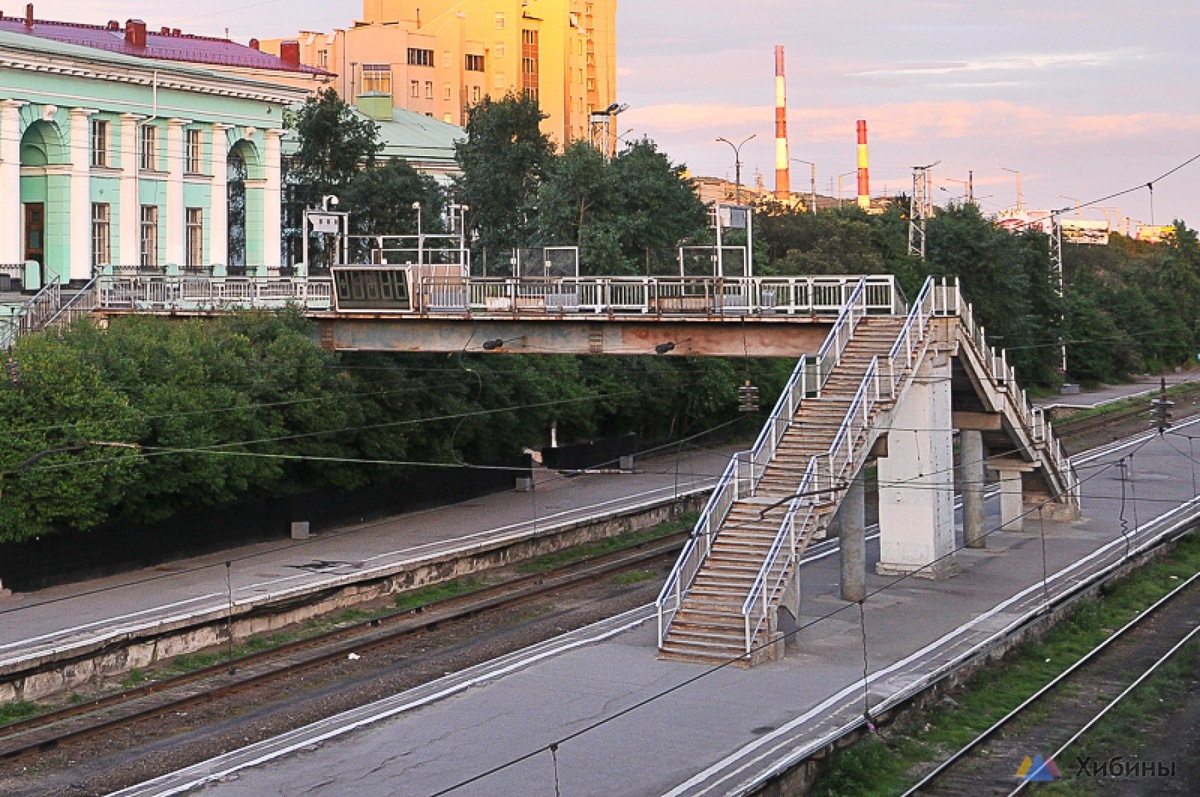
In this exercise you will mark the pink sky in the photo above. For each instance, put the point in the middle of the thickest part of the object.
(1085, 99)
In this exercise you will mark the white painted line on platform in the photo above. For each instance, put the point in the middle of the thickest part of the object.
(856, 688)
(108, 620)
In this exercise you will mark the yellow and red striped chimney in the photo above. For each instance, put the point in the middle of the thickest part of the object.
(864, 180)
(782, 163)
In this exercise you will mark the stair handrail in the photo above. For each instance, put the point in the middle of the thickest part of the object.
(759, 597)
(43, 304)
(680, 579)
(837, 460)
(82, 303)
(806, 378)
(854, 309)
(1003, 379)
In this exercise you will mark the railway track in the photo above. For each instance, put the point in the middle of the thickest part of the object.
(46, 732)
(1102, 677)
(106, 715)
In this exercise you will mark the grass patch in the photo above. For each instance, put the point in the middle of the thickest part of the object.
(134, 677)
(621, 541)
(17, 711)
(437, 592)
(634, 577)
(883, 764)
(190, 662)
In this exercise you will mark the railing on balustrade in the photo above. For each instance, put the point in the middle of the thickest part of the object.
(811, 296)
(198, 294)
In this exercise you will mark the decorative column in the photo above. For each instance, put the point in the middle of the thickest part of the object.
(176, 255)
(79, 268)
(218, 226)
(273, 200)
(10, 182)
(129, 250)
(916, 478)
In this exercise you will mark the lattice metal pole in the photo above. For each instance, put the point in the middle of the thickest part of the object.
(918, 210)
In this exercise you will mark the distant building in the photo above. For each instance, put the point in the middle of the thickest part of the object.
(437, 57)
(126, 148)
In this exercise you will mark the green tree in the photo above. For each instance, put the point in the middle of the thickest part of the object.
(502, 160)
(381, 199)
(334, 143)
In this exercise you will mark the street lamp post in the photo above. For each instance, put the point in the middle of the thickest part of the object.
(1020, 198)
(840, 176)
(1078, 205)
(420, 238)
(812, 182)
(737, 165)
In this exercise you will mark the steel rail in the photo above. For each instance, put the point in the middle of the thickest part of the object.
(946, 765)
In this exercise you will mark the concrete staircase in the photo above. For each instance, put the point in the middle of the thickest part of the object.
(709, 625)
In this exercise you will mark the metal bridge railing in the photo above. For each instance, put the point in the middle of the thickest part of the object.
(457, 294)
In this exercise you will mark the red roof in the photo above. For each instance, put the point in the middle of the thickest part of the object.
(166, 44)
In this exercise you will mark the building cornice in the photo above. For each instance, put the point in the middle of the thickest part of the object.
(167, 76)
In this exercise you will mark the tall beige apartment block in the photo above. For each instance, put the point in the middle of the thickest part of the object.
(436, 57)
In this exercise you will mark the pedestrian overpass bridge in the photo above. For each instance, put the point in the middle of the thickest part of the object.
(877, 380)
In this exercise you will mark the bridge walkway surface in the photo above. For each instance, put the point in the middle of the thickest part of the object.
(596, 712)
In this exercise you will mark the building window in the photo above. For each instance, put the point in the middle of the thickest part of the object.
(447, 92)
(499, 49)
(499, 20)
(322, 58)
(195, 237)
(101, 234)
(475, 94)
(429, 89)
(149, 148)
(529, 63)
(149, 251)
(474, 63)
(377, 78)
(446, 59)
(195, 151)
(99, 142)
(501, 80)
(446, 118)
(419, 57)
(414, 88)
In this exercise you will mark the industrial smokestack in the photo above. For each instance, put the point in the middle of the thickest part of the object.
(782, 162)
(864, 180)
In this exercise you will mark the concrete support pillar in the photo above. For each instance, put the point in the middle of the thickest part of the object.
(10, 183)
(1012, 506)
(273, 200)
(971, 464)
(129, 211)
(916, 478)
(218, 229)
(176, 256)
(853, 541)
(79, 265)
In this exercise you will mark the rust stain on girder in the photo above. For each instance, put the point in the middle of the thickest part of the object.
(687, 338)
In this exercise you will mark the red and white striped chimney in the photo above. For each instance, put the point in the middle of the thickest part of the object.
(864, 180)
(782, 162)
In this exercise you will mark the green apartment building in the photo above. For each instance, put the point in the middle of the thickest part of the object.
(129, 150)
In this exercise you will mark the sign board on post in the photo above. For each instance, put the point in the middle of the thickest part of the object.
(325, 222)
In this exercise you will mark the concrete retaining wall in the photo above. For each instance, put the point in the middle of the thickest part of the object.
(90, 663)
